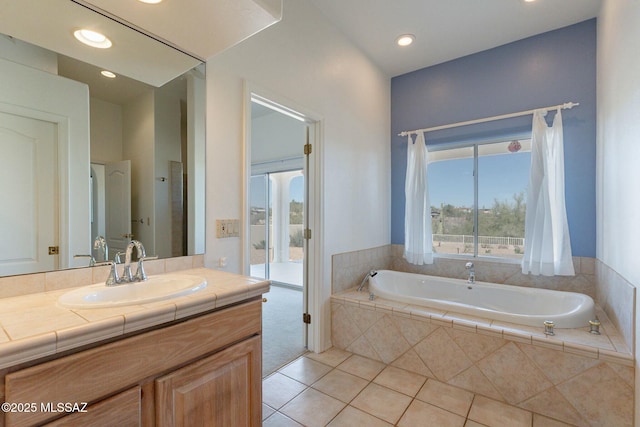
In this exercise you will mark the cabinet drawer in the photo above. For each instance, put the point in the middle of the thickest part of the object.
(123, 410)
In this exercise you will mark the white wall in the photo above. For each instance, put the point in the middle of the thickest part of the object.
(27, 54)
(139, 147)
(106, 131)
(196, 170)
(306, 60)
(167, 148)
(618, 150)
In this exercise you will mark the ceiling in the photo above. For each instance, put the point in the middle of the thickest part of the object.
(201, 28)
(50, 25)
(446, 29)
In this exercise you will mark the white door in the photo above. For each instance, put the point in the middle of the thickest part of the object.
(28, 188)
(118, 206)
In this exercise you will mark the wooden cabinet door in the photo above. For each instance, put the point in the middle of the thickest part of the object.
(123, 410)
(224, 389)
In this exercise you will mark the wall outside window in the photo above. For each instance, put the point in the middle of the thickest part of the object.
(547, 69)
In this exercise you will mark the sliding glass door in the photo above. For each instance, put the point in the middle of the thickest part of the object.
(277, 227)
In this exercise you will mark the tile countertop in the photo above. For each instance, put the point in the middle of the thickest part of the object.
(34, 326)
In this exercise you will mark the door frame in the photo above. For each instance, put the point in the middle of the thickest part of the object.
(313, 257)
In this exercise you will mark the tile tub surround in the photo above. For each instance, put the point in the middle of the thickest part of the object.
(349, 268)
(503, 272)
(576, 377)
(617, 298)
(613, 293)
(34, 326)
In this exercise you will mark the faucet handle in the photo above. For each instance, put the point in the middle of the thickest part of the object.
(114, 278)
(117, 258)
(141, 276)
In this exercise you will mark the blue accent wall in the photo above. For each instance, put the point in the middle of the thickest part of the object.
(548, 69)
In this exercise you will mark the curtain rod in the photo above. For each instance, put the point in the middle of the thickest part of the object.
(567, 105)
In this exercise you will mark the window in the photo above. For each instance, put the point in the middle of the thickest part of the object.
(478, 196)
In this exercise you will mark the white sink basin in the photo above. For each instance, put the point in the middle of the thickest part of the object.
(155, 288)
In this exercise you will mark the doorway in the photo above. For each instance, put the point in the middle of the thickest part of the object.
(277, 233)
(277, 224)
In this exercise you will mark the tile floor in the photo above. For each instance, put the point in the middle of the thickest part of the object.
(337, 388)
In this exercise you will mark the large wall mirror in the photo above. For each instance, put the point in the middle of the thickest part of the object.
(89, 161)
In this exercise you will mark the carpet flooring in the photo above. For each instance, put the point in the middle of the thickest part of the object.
(282, 328)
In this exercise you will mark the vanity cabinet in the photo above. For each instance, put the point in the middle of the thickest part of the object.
(206, 369)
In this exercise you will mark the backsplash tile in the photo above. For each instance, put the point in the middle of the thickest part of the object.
(12, 286)
(63, 279)
(177, 264)
(25, 284)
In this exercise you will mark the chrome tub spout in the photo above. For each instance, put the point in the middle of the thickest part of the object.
(366, 277)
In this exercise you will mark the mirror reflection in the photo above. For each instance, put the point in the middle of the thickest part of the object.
(89, 162)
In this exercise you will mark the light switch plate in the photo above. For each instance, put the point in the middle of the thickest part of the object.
(227, 228)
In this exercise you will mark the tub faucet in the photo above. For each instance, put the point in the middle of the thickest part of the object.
(369, 274)
(472, 273)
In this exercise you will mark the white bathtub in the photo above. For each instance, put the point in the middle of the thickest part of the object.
(514, 304)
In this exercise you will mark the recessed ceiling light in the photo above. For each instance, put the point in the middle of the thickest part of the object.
(529, 1)
(108, 74)
(405, 39)
(92, 38)
(150, 1)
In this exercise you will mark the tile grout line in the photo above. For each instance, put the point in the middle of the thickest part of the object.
(369, 382)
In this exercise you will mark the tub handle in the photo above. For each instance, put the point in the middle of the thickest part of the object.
(548, 327)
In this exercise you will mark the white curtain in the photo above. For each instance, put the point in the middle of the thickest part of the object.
(547, 248)
(418, 240)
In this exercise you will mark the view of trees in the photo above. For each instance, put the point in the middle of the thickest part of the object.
(503, 219)
(500, 228)
(296, 214)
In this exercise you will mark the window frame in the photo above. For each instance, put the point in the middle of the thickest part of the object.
(523, 137)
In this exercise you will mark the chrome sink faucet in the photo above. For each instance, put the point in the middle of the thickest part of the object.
(100, 245)
(472, 273)
(127, 277)
(140, 275)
